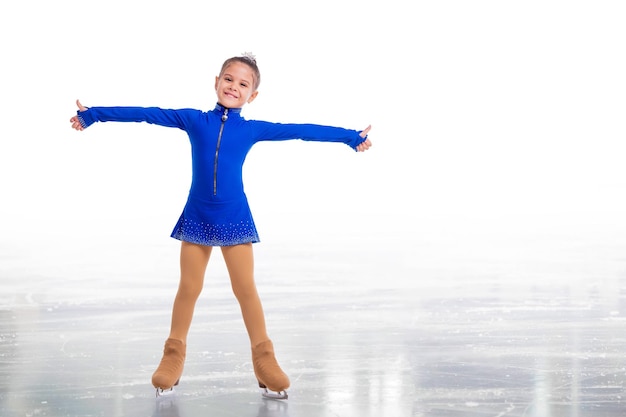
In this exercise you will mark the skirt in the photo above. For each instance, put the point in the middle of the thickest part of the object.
(216, 223)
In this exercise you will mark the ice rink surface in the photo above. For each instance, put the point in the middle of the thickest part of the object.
(514, 324)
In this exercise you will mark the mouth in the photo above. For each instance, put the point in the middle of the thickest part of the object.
(231, 95)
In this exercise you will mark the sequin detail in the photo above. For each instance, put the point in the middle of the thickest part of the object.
(226, 234)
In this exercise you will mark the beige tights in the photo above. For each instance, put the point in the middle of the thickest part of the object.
(240, 264)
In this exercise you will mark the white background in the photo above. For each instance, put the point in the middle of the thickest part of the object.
(493, 122)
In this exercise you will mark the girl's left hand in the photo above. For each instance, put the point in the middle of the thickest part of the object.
(366, 144)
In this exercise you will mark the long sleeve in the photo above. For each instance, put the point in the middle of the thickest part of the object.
(153, 115)
(309, 132)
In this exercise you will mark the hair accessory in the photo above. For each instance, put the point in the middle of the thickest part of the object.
(249, 56)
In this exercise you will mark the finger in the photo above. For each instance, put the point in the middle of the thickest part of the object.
(366, 131)
(76, 124)
(80, 106)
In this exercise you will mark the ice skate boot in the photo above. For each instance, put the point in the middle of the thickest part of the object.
(170, 369)
(272, 380)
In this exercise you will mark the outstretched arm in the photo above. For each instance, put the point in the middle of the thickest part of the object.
(180, 118)
(262, 130)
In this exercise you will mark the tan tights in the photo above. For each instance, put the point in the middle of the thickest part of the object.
(240, 264)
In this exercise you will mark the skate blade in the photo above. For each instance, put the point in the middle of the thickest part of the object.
(169, 392)
(273, 395)
(160, 392)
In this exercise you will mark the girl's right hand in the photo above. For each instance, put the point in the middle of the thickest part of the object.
(74, 120)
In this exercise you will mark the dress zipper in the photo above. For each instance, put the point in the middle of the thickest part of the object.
(217, 150)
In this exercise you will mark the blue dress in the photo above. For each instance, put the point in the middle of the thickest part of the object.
(217, 211)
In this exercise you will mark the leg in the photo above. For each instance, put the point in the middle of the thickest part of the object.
(193, 262)
(240, 263)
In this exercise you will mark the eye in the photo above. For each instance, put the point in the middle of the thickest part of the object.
(227, 78)
(244, 85)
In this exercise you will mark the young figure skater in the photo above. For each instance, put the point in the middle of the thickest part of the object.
(216, 212)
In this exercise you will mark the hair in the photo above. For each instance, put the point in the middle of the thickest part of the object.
(250, 60)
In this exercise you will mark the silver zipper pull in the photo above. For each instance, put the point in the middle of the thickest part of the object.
(225, 115)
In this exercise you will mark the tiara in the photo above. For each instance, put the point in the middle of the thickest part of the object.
(249, 56)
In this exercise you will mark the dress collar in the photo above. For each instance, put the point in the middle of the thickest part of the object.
(220, 109)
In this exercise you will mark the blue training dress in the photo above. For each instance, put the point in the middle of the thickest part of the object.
(217, 211)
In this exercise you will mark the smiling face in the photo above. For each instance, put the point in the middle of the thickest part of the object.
(235, 86)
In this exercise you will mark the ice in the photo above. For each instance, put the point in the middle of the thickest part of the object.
(513, 330)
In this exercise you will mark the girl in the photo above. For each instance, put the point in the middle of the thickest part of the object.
(217, 211)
